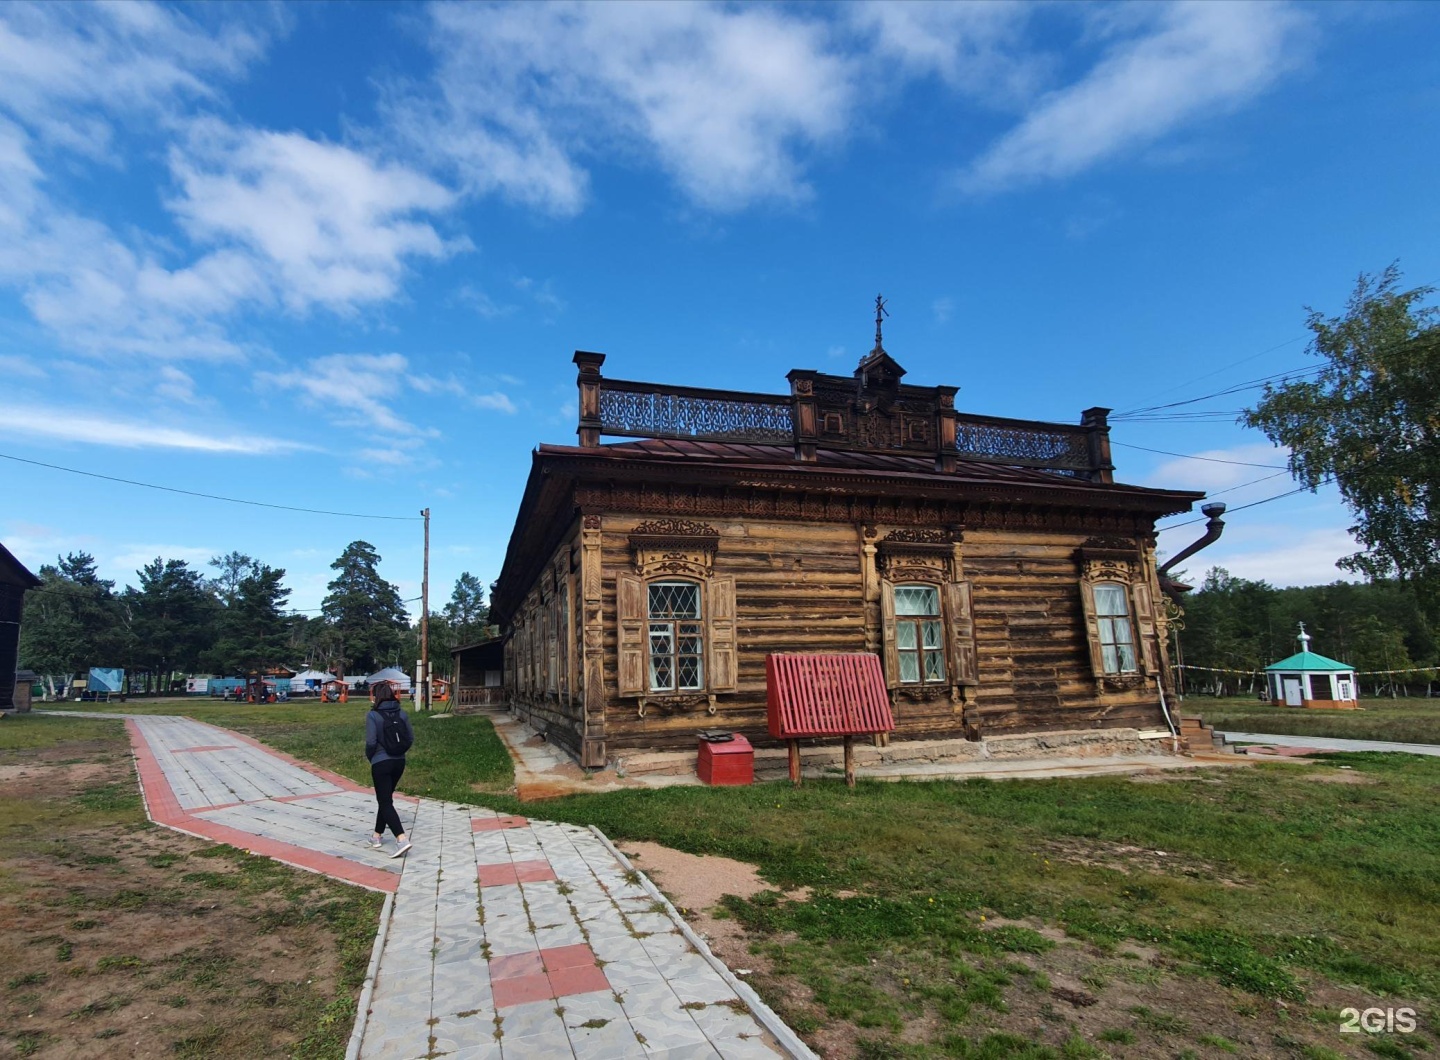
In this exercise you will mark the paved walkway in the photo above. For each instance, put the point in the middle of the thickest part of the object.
(505, 938)
(1326, 743)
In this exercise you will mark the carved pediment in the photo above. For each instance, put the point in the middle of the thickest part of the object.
(1108, 559)
(674, 546)
(917, 553)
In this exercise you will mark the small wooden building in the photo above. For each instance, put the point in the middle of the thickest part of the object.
(1007, 581)
(1306, 679)
(15, 581)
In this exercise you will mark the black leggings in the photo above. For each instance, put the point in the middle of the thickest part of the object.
(386, 775)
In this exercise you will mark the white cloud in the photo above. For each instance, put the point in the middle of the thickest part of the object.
(943, 309)
(175, 385)
(495, 400)
(724, 98)
(1221, 468)
(1194, 59)
(324, 223)
(71, 70)
(84, 425)
(136, 556)
(977, 48)
(370, 391)
(1279, 553)
(14, 367)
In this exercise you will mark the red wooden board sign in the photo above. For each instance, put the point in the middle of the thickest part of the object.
(826, 695)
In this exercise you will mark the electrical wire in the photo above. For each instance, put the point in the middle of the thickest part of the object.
(1207, 459)
(212, 496)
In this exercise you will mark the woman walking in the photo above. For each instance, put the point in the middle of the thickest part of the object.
(387, 737)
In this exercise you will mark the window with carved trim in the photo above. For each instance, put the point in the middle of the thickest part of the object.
(919, 635)
(676, 634)
(1117, 635)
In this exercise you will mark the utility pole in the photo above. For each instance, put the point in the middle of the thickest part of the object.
(423, 677)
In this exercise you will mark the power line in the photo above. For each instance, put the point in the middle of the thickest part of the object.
(1207, 459)
(210, 496)
(1249, 384)
(1242, 507)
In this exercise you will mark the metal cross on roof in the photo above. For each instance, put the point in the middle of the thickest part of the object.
(880, 311)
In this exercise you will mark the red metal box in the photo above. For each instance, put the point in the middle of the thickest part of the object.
(731, 762)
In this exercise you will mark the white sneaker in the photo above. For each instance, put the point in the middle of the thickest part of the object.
(376, 842)
(402, 849)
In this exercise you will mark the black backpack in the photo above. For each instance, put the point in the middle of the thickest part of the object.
(395, 737)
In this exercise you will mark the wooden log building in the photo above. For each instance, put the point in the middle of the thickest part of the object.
(1007, 581)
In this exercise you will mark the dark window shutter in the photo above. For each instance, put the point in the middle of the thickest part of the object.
(630, 616)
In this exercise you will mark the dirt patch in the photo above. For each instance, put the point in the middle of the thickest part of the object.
(1129, 860)
(124, 939)
(1342, 776)
(695, 883)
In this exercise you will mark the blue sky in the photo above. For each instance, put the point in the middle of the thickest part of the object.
(338, 256)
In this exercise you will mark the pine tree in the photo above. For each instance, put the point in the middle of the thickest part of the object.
(364, 609)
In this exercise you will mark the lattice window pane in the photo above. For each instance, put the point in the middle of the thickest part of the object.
(662, 673)
(917, 600)
(674, 600)
(934, 666)
(660, 639)
(1110, 601)
(905, 636)
(690, 675)
(909, 668)
(930, 634)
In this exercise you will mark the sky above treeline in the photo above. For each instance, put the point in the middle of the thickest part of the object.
(338, 256)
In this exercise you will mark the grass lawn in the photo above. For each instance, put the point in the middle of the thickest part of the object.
(124, 939)
(454, 757)
(1405, 720)
(1203, 914)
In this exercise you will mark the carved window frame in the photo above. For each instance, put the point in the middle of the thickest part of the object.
(1118, 562)
(675, 550)
(929, 557)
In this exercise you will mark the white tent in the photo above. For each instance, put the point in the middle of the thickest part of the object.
(399, 678)
(309, 679)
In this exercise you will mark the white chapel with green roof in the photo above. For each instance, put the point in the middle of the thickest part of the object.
(1306, 679)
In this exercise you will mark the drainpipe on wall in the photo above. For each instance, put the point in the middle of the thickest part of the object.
(1213, 529)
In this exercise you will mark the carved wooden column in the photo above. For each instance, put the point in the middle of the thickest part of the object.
(592, 748)
(945, 428)
(589, 383)
(870, 587)
(807, 427)
(1096, 421)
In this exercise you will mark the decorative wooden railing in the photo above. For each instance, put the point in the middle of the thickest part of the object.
(837, 412)
(642, 410)
(1023, 443)
(481, 697)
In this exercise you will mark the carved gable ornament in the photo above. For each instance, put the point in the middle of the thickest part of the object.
(674, 546)
(915, 553)
(1104, 559)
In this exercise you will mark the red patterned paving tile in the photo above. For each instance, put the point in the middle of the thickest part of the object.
(519, 991)
(165, 809)
(559, 958)
(517, 965)
(497, 875)
(578, 981)
(495, 824)
(534, 871)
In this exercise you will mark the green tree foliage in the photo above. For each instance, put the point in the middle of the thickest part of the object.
(365, 610)
(172, 617)
(233, 568)
(1370, 421)
(254, 631)
(1236, 624)
(75, 623)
